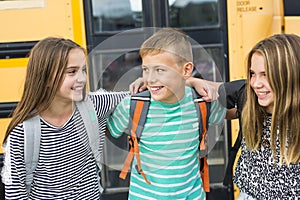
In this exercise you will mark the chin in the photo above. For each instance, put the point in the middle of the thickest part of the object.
(155, 98)
(77, 98)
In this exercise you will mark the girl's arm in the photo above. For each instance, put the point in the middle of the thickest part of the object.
(207, 89)
(13, 171)
(105, 102)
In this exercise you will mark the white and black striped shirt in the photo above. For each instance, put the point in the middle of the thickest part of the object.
(66, 167)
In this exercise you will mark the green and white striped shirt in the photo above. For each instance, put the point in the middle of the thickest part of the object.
(168, 148)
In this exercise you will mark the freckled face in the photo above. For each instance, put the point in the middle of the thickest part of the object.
(260, 84)
(163, 77)
(74, 81)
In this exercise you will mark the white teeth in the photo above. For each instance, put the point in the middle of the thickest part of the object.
(77, 88)
(155, 88)
(262, 92)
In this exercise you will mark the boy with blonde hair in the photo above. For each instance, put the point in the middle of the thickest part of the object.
(169, 144)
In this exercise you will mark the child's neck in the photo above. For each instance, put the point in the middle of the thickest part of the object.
(58, 114)
(175, 97)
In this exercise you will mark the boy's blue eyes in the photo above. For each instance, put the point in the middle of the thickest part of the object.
(157, 69)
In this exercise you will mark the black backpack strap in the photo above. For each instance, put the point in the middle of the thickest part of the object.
(231, 159)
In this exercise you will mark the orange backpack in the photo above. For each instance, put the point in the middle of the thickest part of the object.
(139, 106)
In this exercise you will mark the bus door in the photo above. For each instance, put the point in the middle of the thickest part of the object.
(115, 63)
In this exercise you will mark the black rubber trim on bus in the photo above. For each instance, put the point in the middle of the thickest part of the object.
(15, 49)
(7, 108)
(291, 8)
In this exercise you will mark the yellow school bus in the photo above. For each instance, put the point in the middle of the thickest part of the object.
(227, 29)
(23, 23)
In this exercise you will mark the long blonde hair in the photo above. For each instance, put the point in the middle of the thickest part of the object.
(45, 72)
(282, 66)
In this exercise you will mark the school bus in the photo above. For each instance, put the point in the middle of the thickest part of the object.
(226, 29)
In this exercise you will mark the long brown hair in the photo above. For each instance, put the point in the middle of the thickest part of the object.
(282, 66)
(45, 72)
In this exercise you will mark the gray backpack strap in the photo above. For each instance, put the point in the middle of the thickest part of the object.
(32, 137)
(144, 97)
(89, 117)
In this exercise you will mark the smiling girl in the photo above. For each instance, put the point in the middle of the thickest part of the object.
(269, 166)
(55, 81)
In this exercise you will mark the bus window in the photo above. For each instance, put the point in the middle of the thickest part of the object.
(115, 71)
(116, 15)
(291, 8)
(193, 13)
(208, 63)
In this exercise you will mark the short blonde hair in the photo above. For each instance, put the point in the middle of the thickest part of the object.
(169, 40)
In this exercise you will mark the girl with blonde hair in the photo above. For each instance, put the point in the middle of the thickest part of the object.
(269, 166)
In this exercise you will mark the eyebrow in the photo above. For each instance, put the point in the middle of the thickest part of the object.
(260, 72)
(154, 65)
(74, 66)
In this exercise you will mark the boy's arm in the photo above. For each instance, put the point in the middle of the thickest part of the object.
(118, 121)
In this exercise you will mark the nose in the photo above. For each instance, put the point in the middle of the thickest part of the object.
(256, 82)
(81, 76)
(150, 77)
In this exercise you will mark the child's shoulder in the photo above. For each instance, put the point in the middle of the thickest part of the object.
(17, 133)
(188, 90)
(104, 93)
(188, 93)
(105, 96)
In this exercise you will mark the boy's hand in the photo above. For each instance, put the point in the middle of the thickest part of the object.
(137, 86)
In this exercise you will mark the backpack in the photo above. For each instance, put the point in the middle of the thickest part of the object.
(139, 105)
(32, 137)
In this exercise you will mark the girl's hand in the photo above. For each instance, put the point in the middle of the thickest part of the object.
(207, 89)
(137, 86)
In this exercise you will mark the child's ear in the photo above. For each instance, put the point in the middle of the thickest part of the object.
(188, 70)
